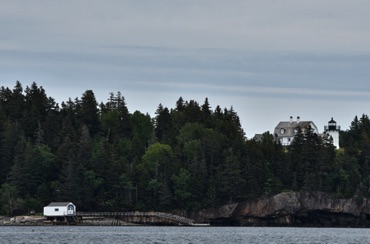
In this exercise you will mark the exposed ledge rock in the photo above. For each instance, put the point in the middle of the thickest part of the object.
(205, 215)
(292, 209)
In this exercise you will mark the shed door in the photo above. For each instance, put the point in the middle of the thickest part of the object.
(71, 210)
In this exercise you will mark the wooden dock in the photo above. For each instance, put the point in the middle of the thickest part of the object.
(146, 218)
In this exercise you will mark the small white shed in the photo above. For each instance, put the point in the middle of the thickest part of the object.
(56, 209)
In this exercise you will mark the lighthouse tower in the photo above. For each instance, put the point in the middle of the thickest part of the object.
(333, 130)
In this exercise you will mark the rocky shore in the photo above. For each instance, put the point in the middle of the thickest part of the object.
(296, 209)
(303, 209)
(22, 220)
(42, 221)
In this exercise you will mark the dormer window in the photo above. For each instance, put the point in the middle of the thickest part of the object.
(282, 131)
(296, 130)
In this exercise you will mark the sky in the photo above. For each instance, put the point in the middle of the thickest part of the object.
(268, 59)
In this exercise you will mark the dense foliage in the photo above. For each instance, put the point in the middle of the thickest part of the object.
(103, 158)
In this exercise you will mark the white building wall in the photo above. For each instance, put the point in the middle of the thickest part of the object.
(335, 136)
(55, 211)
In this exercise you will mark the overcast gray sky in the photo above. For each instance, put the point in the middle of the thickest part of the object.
(269, 59)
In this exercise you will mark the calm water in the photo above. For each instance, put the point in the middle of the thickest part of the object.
(214, 235)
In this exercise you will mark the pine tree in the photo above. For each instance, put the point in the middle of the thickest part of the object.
(88, 112)
(230, 180)
(16, 104)
(19, 173)
(206, 114)
(181, 187)
(163, 125)
(116, 118)
(12, 132)
(37, 106)
(143, 133)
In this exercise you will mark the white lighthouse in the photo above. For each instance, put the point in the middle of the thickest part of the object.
(333, 130)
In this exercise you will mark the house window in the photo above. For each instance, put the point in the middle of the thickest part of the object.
(56, 210)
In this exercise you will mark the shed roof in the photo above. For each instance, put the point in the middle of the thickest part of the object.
(59, 204)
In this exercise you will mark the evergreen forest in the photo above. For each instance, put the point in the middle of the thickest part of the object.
(101, 157)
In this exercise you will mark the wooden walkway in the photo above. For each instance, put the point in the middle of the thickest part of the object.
(142, 217)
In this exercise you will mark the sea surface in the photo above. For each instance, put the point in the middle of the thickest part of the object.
(214, 235)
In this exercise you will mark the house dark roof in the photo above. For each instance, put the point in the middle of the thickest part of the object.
(59, 204)
(289, 127)
(258, 137)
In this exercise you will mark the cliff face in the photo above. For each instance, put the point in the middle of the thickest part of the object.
(292, 209)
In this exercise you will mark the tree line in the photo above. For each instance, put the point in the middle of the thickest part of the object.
(101, 157)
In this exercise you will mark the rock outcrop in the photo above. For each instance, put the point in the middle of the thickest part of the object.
(292, 209)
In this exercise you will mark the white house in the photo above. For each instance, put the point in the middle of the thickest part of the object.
(286, 130)
(59, 209)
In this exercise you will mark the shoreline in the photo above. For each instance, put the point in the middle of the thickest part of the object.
(26, 220)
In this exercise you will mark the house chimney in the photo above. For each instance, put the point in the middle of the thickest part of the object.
(298, 119)
(291, 119)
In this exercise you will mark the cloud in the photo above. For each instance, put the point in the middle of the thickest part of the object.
(254, 25)
(214, 70)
